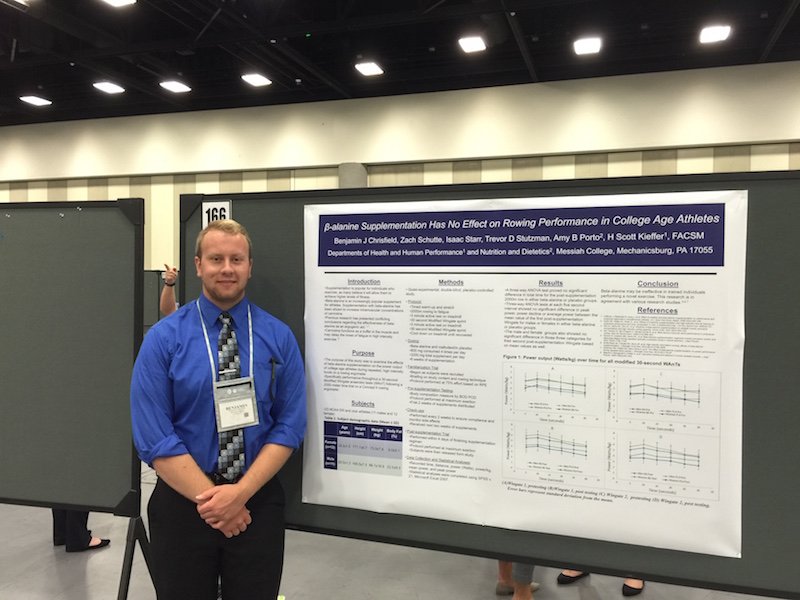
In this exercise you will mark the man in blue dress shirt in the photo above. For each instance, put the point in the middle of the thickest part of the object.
(206, 524)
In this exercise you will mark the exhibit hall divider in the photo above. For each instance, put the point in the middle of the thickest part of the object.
(768, 531)
(71, 292)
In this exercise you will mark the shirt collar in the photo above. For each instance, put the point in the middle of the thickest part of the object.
(211, 312)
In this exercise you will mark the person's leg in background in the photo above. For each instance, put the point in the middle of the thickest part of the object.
(69, 529)
(505, 582)
(522, 574)
(505, 585)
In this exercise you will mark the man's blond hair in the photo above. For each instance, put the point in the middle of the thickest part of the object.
(228, 226)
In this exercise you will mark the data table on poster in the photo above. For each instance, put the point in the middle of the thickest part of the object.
(364, 448)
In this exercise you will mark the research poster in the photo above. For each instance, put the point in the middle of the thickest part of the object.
(564, 365)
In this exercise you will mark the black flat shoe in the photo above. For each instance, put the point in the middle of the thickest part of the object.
(564, 579)
(631, 591)
(102, 544)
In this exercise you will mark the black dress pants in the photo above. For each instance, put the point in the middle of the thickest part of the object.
(189, 556)
(69, 528)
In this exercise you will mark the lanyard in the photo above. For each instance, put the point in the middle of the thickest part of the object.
(215, 367)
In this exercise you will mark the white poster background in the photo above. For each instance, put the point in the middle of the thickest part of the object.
(586, 429)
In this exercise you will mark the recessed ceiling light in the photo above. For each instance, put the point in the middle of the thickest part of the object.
(256, 80)
(715, 33)
(118, 3)
(35, 100)
(108, 87)
(175, 86)
(472, 44)
(369, 69)
(588, 45)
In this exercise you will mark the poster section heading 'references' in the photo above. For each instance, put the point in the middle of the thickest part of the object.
(677, 235)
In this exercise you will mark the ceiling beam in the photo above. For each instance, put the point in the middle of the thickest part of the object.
(253, 33)
(519, 37)
(301, 60)
(776, 32)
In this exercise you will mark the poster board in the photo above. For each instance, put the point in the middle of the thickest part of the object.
(770, 525)
(71, 295)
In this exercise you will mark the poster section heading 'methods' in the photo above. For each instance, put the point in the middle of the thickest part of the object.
(673, 235)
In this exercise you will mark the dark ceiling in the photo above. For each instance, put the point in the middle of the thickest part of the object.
(56, 49)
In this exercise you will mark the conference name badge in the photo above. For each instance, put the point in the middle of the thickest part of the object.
(235, 403)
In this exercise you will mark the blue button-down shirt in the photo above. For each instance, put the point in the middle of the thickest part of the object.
(172, 395)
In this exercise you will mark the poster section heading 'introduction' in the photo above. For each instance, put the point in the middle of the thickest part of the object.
(470, 359)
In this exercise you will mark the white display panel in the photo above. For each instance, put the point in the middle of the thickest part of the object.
(561, 365)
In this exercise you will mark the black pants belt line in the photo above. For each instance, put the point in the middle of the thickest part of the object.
(218, 479)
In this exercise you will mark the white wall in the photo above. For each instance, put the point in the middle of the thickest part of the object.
(736, 119)
(684, 109)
